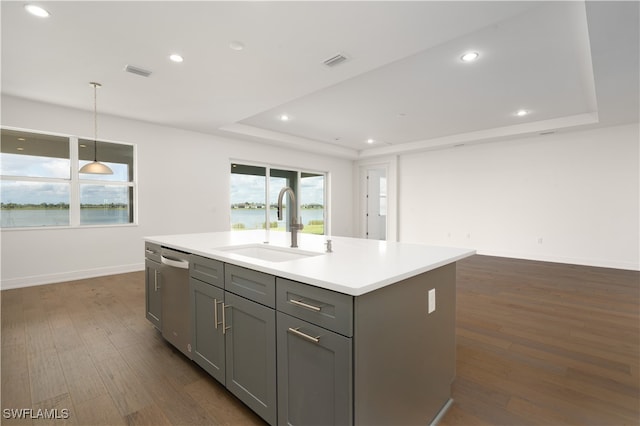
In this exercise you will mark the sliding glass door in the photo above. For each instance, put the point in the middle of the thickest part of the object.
(254, 198)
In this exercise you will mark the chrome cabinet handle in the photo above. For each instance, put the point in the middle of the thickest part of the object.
(216, 323)
(149, 251)
(155, 279)
(215, 313)
(224, 321)
(305, 305)
(297, 332)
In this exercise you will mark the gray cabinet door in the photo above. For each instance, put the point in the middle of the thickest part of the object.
(314, 374)
(250, 340)
(153, 295)
(206, 319)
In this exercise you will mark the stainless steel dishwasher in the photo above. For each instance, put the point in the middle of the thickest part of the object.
(176, 322)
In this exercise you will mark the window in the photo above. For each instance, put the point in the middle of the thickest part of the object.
(40, 184)
(106, 199)
(251, 210)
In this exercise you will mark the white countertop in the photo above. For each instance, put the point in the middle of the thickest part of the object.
(355, 267)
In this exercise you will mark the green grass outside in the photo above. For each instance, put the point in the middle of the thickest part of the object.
(316, 228)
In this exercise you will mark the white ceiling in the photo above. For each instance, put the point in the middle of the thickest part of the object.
(571, 64)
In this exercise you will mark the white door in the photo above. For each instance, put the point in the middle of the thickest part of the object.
(376, 211)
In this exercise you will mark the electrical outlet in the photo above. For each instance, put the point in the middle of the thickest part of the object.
(431, 301)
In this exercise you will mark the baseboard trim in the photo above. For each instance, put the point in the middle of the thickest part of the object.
(11, 283)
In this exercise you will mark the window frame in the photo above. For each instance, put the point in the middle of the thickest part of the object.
(298, 172)
(75, 181)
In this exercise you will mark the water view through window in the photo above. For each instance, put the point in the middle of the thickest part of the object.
(249, 206)
(36, 182)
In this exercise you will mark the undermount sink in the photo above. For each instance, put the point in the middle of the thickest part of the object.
(269, 253)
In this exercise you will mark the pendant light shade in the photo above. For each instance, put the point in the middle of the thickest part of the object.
(95, 167)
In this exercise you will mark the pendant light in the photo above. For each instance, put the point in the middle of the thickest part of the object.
(95, 167)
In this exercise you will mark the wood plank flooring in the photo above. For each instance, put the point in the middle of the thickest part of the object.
(538, 344)
(545, 344)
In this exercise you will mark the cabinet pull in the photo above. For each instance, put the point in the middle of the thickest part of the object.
(155, 279)
(297, 332)
(149, 251)
(216, 323)
(305, 305)
(224, 321)
(215, 313)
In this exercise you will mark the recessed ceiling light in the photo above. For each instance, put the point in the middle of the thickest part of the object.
(522, 112)
(284, 117)
(470, 56)
(36, 10)
(176, 58)
(236, 45)
(370, 141)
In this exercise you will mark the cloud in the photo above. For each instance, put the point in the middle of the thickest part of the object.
(103, 194)
(33, 192)
(251, 189)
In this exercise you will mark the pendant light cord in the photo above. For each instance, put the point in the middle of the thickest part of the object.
(95, 120)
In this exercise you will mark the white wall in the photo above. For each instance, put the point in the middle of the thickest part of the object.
(569, 198)
(183, 187)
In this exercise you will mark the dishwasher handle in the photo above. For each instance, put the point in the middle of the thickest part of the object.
(176, 263)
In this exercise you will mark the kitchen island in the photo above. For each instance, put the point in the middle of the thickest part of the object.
(364, 334)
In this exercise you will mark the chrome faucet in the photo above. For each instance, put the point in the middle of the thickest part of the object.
(295, 226)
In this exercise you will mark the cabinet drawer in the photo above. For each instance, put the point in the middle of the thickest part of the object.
(325, 308)
(207, 270)
(152, 251)
(253, 285)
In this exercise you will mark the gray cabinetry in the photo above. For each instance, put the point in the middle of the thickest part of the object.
(314, 374)
(251, 354)
(319, 306)
(315, 383)
(234, 331)
(207, 270)
(298, 354)
(253, 285)
(153, 294)
(207, 335)
(207, 301)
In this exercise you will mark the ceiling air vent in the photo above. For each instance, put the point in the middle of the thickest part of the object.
(137, 71)
(336, 60)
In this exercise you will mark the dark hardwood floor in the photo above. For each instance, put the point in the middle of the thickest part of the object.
(538, 344)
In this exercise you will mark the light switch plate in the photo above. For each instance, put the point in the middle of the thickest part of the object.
(432, 300)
